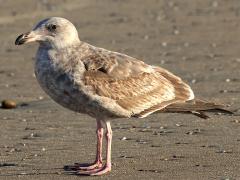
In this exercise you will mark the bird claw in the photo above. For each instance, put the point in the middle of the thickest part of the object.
(95, 165)
(96, 172)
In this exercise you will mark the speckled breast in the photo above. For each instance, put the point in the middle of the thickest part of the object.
(60, 87)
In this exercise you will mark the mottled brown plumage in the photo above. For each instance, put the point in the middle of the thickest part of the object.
(135, 86)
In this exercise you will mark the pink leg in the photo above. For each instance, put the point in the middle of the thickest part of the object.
(107, 167)
(98, 162)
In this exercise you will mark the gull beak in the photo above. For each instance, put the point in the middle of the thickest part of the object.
(26, 38)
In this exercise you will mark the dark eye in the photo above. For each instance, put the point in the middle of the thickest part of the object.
(52, 27)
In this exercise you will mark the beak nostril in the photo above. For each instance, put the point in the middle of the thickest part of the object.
(26, 34)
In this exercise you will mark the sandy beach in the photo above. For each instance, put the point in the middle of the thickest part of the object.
(197, 40)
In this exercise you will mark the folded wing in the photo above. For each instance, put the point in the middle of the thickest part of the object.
(135, 86)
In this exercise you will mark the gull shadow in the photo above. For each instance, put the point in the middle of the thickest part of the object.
(66, 170)
(34, 172)
(74, 169)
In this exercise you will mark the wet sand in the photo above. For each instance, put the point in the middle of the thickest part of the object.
(197, 40)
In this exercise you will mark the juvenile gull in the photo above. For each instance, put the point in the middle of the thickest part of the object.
(103, 84)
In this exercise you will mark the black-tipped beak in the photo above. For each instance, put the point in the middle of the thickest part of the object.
(22, 39)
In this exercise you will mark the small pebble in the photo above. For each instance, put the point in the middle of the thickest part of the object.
(228, 80)
(176, 32)
(162, 62)
(159, 18)
(12, 150)
(145, 130)
(190, 132)
(8, 104)
(171, 4)
(165, 132)
(224, 151)
(11, 74)
(123, 138)
(40, 97)
(193, 81)
(124, 156)
(212, 55)
(184, 58)
(31, 136)
(214, 4)
(223, 91)
(24, 120)
(164, 44)
(238, 60)
(146, 37)
(214, 45)
(215, 69)
(195, 131)
(23, 144)
(22, 173)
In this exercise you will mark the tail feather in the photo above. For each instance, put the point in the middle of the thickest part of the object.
(196, 107)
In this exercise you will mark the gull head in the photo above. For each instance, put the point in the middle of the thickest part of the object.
(54, 32)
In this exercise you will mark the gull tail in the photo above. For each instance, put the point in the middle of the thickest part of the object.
(197, 107)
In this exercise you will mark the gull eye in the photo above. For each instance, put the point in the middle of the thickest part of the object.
(51, 27)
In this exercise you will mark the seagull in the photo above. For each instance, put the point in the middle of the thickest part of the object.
(104, 84)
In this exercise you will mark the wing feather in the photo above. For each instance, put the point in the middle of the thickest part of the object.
(135, 86)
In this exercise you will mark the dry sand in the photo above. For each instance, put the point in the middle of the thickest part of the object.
(196, 39)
